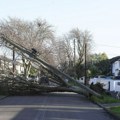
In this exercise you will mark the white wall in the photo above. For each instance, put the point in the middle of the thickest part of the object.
(116, 68)
(114, 84)
(19, 69)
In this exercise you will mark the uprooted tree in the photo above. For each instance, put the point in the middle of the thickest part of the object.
(21, 37)
(78, 88)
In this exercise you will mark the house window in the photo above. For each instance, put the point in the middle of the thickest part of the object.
(118, 83)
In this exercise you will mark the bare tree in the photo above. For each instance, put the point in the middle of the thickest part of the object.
(37, 34)
(68, 48)
(63, 52)
(81, 39)
(60, 52)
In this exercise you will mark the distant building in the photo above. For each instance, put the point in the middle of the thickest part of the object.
(6, 64)
(115, 66)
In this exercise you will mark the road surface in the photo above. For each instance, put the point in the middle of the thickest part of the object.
(54, 106)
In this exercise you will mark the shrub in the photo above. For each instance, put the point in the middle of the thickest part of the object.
(98, 87)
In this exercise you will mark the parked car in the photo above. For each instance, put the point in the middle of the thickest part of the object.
(32, 78)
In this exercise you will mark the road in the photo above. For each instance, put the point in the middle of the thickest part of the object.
(55, 106)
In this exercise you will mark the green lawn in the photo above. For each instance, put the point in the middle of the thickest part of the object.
(115, 110)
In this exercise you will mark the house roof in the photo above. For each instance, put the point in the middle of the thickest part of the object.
(112, 60)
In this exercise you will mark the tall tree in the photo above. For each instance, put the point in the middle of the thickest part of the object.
(99, 65)
(81, 38)
(37, 34)
(82, 49)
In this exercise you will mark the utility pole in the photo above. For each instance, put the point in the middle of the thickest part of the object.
(13, 61)
(74, 52)
(85, 64)
(74, 59)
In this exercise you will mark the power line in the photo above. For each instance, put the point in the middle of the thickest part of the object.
(108, 45)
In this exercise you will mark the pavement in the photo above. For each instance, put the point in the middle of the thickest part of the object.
(56, 106)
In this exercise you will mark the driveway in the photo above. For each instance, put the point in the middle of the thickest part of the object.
(54, 106)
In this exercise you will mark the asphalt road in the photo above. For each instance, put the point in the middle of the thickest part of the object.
(55, 106)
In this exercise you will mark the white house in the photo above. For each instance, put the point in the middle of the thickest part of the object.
(108, 84)
(19, 67)
(7, 64)
(115, 66)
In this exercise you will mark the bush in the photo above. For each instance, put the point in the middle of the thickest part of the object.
(98, 87)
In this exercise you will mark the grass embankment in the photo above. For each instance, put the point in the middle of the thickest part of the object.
(106, 99)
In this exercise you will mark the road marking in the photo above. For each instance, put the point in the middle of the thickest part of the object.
(49, 106)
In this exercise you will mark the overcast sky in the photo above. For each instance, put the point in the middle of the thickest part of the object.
(100, 17)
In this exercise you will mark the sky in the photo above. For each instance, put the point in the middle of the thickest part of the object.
(100, 17)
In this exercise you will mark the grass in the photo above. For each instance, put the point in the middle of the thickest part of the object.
(105, 99)
(108, 99)
(115, 110)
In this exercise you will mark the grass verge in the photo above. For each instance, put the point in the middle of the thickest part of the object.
(106, 99)
(115, 110)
